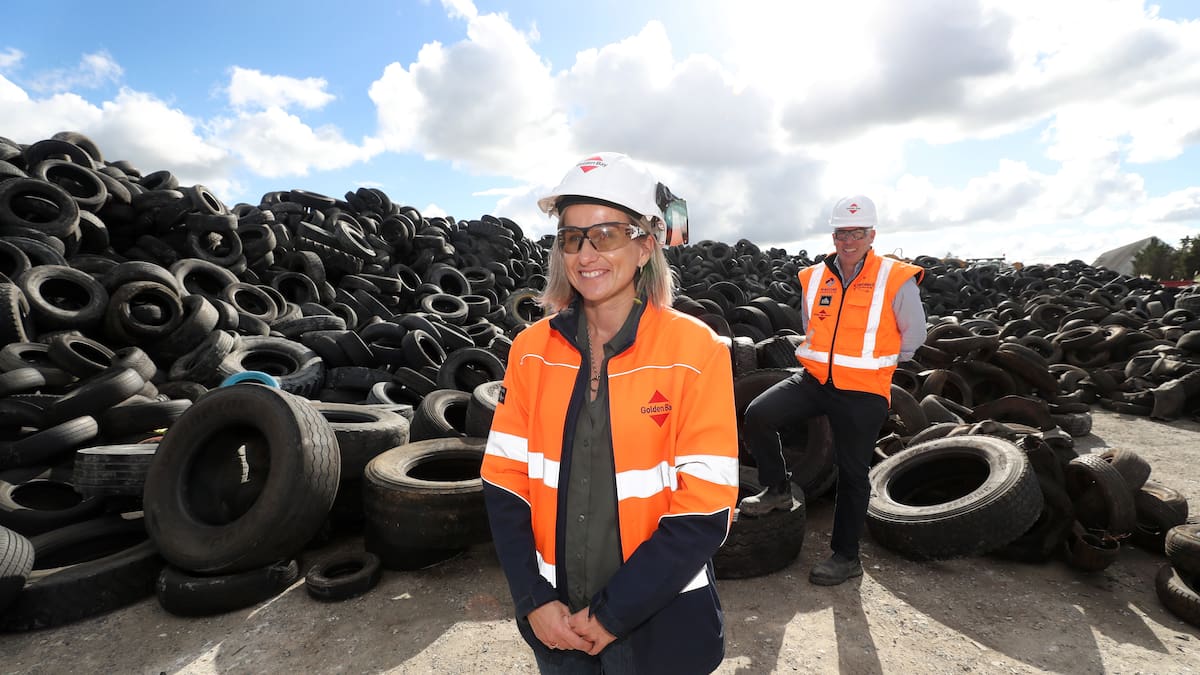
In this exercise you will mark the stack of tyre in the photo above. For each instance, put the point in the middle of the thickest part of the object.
(1021, 496)
(72, 466)
(297, 286)
(1178, 581)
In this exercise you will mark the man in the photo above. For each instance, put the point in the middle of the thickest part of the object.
(862, 315)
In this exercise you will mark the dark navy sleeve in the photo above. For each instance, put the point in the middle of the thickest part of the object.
(512, 533)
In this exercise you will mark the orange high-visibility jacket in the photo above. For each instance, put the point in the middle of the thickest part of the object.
(674, 440)
(852, 334)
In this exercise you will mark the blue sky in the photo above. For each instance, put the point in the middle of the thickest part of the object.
(1039, 131)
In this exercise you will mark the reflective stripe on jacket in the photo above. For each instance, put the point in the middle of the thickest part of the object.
(852, 334)
(674, 435)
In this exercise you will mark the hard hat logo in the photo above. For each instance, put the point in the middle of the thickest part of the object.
(591, 163)
(853, 208)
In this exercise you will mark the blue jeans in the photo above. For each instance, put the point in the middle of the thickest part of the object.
(616, 659)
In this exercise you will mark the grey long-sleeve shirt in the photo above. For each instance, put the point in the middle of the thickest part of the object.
(910, 313)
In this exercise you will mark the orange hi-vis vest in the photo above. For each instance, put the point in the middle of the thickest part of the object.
(852, 336)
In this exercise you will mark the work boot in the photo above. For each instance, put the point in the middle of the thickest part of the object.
(834, 570)
(776, 497)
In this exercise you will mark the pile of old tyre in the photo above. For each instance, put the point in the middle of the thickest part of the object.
(331, 296)
(241, 483)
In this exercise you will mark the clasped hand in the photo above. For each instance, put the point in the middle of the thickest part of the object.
(557, 628)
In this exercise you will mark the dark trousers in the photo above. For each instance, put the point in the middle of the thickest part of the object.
(855, 418)
(616, 659)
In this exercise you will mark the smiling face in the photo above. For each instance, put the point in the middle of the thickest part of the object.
(603, 277)
(851, 251)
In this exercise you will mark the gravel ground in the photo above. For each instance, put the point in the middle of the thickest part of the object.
(973, 615)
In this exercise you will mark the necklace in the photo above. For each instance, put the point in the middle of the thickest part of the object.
(596, 353)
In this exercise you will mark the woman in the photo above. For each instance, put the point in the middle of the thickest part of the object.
(611, 467)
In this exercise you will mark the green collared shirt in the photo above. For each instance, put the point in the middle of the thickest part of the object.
(593, 545)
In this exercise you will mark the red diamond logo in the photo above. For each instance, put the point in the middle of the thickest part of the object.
(853, 208)
(591, 163)
(658, 408)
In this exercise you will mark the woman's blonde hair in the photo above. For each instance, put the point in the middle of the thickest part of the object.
(655, 279)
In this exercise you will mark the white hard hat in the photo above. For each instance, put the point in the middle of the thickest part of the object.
(625, 183)
(854, 211)
(609, 176)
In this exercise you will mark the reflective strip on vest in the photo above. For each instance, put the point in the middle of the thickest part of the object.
(881, 279)
(642, 483)
(508, 446)
(548, 572)
(712, 468)
(545, 470)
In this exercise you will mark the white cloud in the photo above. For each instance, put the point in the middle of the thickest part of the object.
(485, 103)
(94, 70)
(633, 96)
(274, 143)
(10, 58)
(133, 126)
(460, 9)
(250, 88)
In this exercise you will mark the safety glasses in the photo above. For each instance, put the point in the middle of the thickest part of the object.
(854, 234)
(676, 215)
(604, 236)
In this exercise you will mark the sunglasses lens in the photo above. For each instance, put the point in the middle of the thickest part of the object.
(570, 241)
(608, 237)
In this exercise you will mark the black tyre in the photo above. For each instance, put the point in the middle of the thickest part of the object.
(466, 369)
(1177, 591)
(84, 569)
(16, 561)
(1090, 550)
(441, 414)
(482, 407)
(953, 497)
(1159, 508)
(1045, 537)
(14, 314)
(362, 433)
(1102, 501)
(96, 395)
(78, 355)
(299, 370)
(423, 502)
(48, 444)
(762, 545)
(521, 308)
(60, 219)
(243, 479)
(185, 594)
(344, 576)
(63, 298)
(32, 505)
(124, 324)
(112, 469)
(21, 380)
(1182, 547)
(1133, 468)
